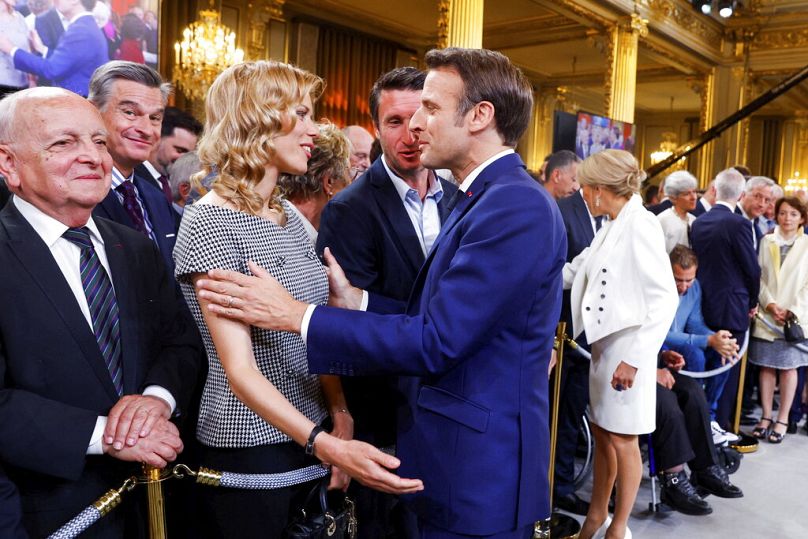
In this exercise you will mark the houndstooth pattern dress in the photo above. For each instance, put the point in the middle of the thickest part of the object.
(217, 237)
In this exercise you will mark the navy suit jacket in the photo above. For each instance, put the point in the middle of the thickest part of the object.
(477, 334)
(162, 216)
(579, 235)
(656, 209)
(49, 27)
(699, 209)
(81, 49)
(5, 194)
(728, 268)
(10, 510)
(54, 382)
(369, 232)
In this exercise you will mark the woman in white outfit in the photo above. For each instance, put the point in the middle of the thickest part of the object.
(624, 298)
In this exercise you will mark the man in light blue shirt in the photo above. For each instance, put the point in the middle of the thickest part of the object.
(689, 334)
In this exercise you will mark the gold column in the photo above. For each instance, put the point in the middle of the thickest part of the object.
(267, 33)
(621, 74)
(538, 138)
(460, 23)
(706, 121)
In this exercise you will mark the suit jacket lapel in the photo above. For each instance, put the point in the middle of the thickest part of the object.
(121, 277)
(112, 209)
(393, 211)
(582, 214)
(35, 256)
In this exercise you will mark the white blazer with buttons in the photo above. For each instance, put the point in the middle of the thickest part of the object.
(624, 280)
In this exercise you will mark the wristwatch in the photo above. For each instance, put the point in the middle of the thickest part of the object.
(309, 449)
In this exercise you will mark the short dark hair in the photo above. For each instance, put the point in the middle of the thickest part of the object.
(650, 193)
(89, 5)
(684, 257)
(560, 159)
(489, 76)
(106, 74)
(795, 203)
(400, 78)
(176, 118)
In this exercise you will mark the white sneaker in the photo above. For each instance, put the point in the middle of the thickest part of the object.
(720, 436)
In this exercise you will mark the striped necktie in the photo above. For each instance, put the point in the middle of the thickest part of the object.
(102, 303)
(132, 207)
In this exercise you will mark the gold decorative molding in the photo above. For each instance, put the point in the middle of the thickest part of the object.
(621, 72)
(637, 24)
(591, 16)
(260, 13)
(682, 15)
(781, 39)
(610, 46)
(443, 23)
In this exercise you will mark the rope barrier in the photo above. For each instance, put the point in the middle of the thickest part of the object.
(204, 476)
(706, 374)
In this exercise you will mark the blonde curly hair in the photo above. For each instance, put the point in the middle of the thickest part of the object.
(247, 106)
(330, 157)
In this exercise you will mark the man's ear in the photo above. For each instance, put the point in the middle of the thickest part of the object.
(8, 166)
(185, 189)
(481, 116)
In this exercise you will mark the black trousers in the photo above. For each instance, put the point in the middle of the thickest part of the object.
(683, 433)
(725, 414)
(572, 405)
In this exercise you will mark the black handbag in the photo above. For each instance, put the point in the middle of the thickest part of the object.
(792, 330)
(328, 521)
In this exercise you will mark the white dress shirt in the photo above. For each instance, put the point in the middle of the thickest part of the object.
(68, 257)
(423, 214)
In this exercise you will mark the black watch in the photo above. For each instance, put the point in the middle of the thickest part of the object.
(309, 449)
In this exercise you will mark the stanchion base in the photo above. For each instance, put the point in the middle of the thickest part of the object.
(747, 444)
(563, 526)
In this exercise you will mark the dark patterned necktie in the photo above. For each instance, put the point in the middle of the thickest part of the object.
(598, 222)
(101, 300)
(166, 187)
(127, 189)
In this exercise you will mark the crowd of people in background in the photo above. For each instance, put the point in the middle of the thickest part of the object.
(61, 42)
(179, 272)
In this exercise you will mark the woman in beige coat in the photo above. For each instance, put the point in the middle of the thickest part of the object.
(783, 289)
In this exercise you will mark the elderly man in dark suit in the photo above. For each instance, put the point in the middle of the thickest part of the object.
(132, 98)
(730, 278)
(475, 425)
(381, 228)
(96, 354)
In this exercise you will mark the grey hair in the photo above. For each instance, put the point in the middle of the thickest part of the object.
(9, 104)
(757, 181)
(181, 170)
(777, 192)
(105, 76)
(729, 185)
(678, 182)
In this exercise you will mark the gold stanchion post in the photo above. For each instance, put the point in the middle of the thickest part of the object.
(157, 512)
(747, 444)
(558, 526)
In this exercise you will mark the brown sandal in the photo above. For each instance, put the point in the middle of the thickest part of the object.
(776, 437)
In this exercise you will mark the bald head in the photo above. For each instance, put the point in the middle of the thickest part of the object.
(361, 141)
(53, 152)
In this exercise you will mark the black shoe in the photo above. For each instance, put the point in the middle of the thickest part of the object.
(679, 493)
(571, 503)
(747, 420)
(792, 427)
(715, 480)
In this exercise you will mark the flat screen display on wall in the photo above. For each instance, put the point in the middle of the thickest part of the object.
(597, 133)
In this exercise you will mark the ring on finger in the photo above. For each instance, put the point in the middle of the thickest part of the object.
(229, 301)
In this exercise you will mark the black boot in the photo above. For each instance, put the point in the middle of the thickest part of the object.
(715, 480)
(678, 493)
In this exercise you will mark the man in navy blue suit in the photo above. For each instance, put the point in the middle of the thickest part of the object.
(477, 331)
(10, 510)
(581, 228)
(381, 228)
(730, 278)
(79, 51)
(757, 195)
(131, 98)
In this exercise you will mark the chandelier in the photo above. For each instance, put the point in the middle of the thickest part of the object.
(207, 48)
(666, 148)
